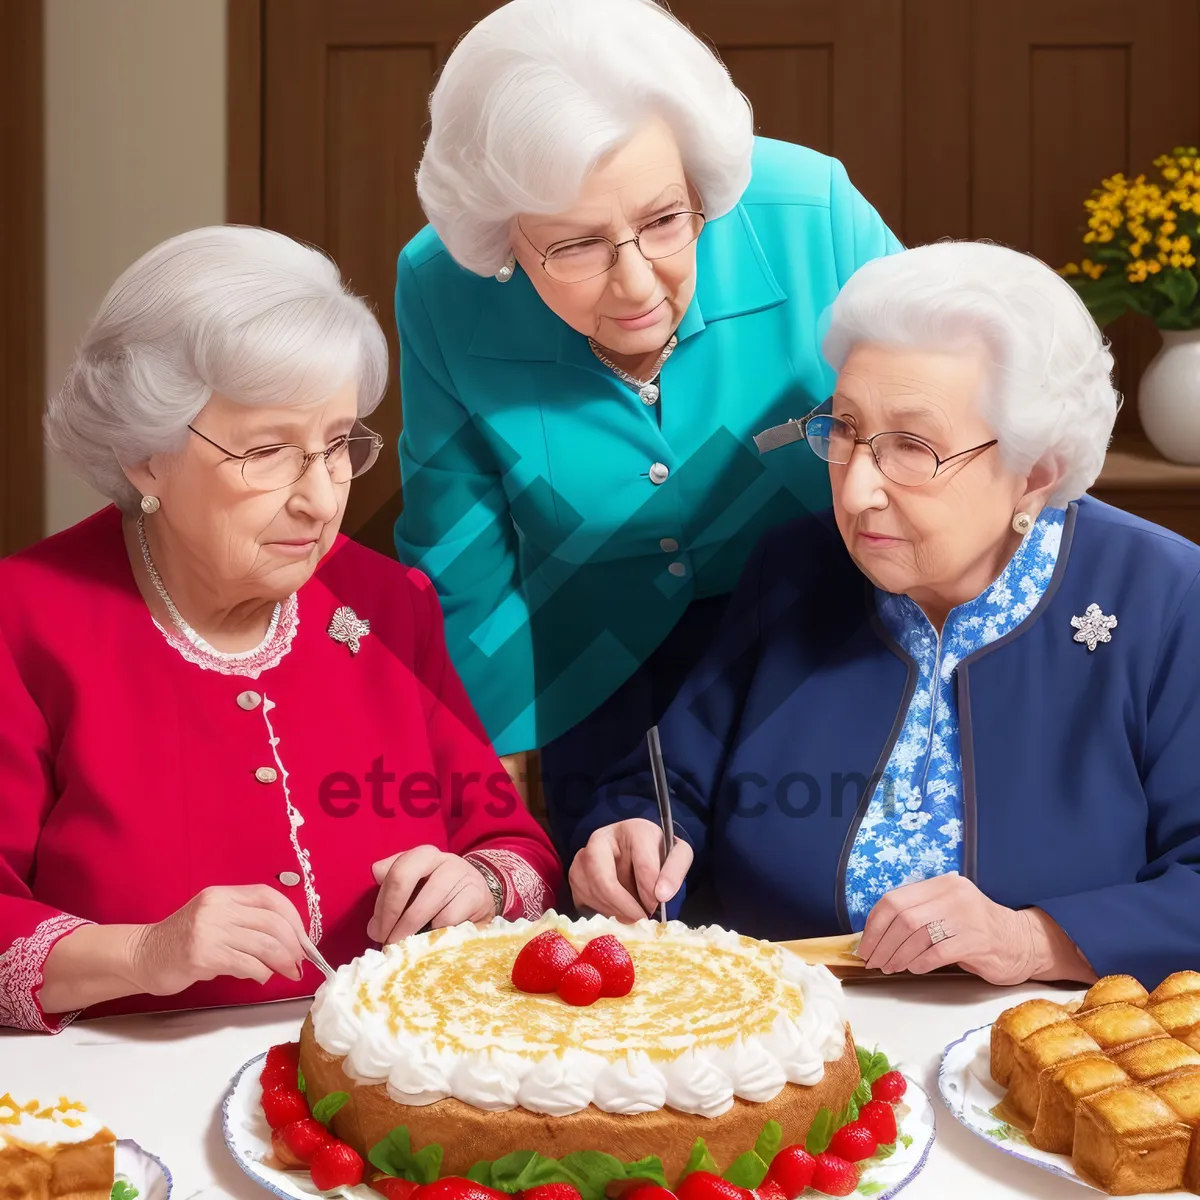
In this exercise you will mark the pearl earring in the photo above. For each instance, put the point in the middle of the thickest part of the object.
(506, 272)
(1022, 523)
(150, 504)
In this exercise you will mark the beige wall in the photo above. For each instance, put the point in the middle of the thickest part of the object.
(135, 152)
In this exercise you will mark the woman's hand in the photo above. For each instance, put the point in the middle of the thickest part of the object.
(244, 932)
(1002, 945)
(426, 886)
(618, 873)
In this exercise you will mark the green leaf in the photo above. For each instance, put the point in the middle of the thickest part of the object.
(426, 1164)
(905, 1140)
(747, 1170)
(329, 1106)
(870, 1188)
(301, 1082)
(481, 1172)
(122, 1189)
(1179, 287)
(820, 1132)
(508, 1171)
(862, 1093)
(872, 1065)
(700, 1160)
(769, 1141)
(886, 1151)
(391, 1156)
(649, 1168)
(848, 1114)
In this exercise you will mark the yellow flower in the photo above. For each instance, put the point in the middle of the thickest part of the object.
(1153, 267)
(1171, 173)
(1167, 227)
(1069, 269)
(1189, 261)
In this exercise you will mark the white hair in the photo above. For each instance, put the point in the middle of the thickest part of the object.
(539, 91)
(1049, 395)
(244, 312)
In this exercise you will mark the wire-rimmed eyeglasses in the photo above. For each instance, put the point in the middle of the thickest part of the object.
(902, 457)
(575, 260)
(268, 468)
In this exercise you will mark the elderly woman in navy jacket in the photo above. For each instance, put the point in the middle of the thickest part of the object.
(960, 712)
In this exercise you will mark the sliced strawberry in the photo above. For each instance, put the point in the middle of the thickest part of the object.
(303, 1137)
(609, 956)
(335, 1165)
(580, 985)
(770, 1190)
(281, 1067)
(552, 1191)
(283, 1152)
(283, 1105)
(393, 1188)
(890, 1087)
(834, 1176)
(454, 1187)
(792, 1168)
(703, 1185)
(542, 962)
(853, 1142)
(880, 1118)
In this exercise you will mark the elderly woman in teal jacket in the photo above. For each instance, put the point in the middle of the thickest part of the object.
(619, 286)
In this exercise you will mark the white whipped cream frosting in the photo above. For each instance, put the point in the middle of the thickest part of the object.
(22, 1128)
(425, 1050)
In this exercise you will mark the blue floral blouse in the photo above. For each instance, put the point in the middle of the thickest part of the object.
(912, 829)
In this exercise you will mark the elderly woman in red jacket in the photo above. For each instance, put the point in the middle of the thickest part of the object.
(228, 731)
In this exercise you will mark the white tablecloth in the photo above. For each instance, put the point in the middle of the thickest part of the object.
(161, 1079)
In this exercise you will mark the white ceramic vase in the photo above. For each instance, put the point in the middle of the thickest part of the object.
(1169, 397)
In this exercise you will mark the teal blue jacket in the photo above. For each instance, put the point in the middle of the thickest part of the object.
(526, 464)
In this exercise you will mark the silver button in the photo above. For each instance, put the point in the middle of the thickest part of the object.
(648, 393)
(668, 545)
(266, 775)
(249, 700)
(677, 569)
(288, 878)
(659, 472)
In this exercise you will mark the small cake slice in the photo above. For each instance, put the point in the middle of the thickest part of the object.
(1182, 1093)
(53, 1151)
(1179, 984)
(1128, 1140)
(1014, 1025)
(1152, 1060)
(1048, 1047)
(1177, 1012)
(1115, 989)
(1059, 1091)
(1117, 1025)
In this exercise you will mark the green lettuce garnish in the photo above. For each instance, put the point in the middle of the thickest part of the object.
(122, 1189)
(329, 1106)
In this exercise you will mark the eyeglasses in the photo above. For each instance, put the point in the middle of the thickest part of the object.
(903, 457)
(577, 259)
(268, 468)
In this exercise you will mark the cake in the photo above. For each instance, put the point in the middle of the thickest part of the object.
(54, 1151)
(1115, 1084)
(720, 1035)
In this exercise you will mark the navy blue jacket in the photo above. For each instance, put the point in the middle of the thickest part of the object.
(1080, 769)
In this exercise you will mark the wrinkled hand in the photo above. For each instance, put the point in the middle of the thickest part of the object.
(618, 873)
(997, 943)
(426, 886)
(244, 932)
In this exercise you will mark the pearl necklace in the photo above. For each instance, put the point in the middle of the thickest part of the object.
(184, 628)
(648, 392)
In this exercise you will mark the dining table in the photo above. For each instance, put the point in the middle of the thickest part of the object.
(160, 1079)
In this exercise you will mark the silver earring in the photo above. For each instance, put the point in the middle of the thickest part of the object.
(1022, 523)
(506, 272)
(150, 504)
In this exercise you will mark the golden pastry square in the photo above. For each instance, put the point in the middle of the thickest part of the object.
(1189, 1037)
(1177, 1012)
(1048, 1047)
(1182, 1093)
(1014, 1025)
(1128, 1140)
(1115, 989)
(78, 1171)
(1059, 1091)
(1150, 1060)
(1179, 984)
(1117, 1025)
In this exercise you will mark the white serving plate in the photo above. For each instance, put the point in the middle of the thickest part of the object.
(249, 1140)
(139, 1167)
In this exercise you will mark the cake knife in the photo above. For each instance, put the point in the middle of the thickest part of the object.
(315, 957)
(662, 794)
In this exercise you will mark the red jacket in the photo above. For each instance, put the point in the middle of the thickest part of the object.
(132, 778)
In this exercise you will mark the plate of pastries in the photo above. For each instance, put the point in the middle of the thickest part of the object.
(1105, 1092)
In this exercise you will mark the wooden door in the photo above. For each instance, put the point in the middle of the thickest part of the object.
(344, 87)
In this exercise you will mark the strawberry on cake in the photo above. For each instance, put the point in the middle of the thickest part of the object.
(565, 1036)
